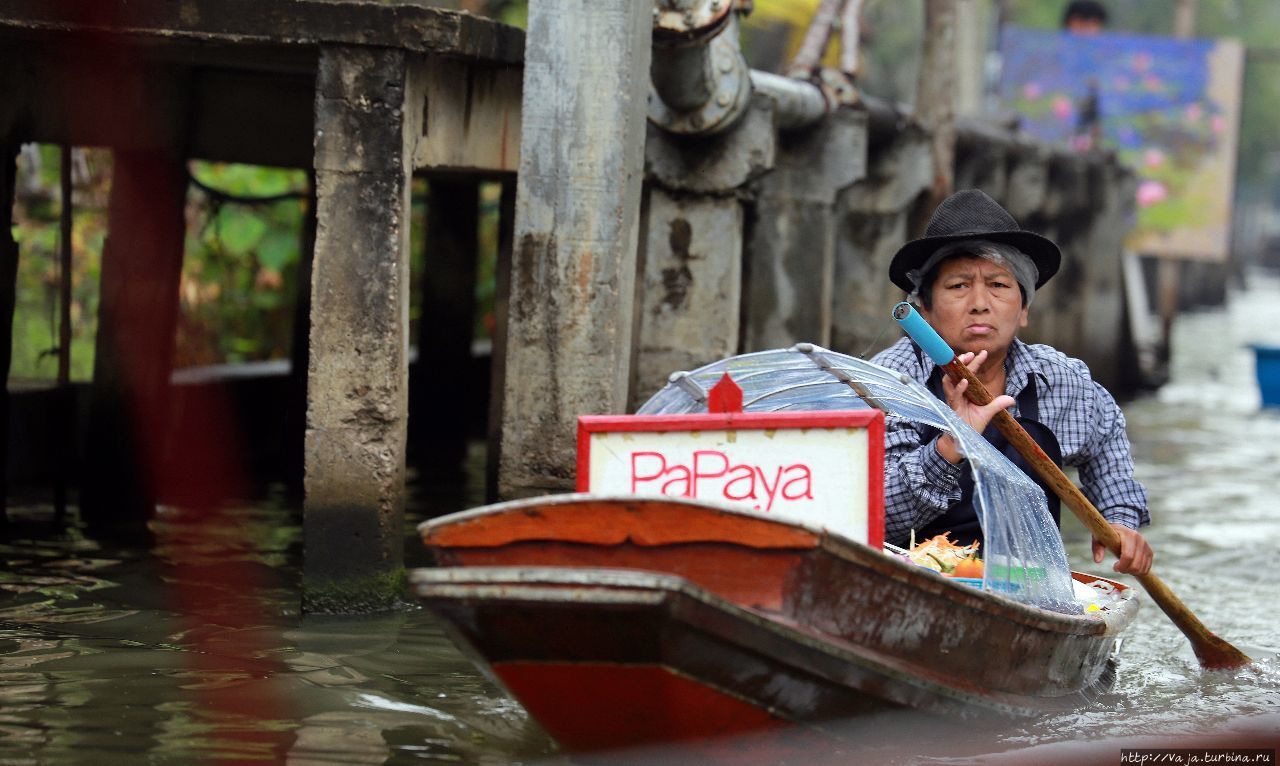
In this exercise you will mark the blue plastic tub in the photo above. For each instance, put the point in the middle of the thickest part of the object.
(1267, 360)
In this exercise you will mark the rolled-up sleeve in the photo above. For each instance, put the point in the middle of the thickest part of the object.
(1105, 462)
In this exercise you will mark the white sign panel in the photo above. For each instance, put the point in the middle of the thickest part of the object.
(824, 469)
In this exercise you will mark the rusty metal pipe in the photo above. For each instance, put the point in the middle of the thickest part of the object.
(698, 75)
(683, 75)
(701, 82)
(799, 102)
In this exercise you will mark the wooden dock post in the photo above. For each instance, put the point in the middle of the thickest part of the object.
(569, 344)
(357, 394)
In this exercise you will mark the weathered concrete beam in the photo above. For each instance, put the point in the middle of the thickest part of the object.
(1027, 186)
(569, 342)
(296, 22)
(253, 117)
(471, 113)
(1081, 312)
(982, 165)
(1103, 316)
(791, 247)
(357, 396)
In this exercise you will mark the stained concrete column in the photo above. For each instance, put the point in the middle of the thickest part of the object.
(1064, 216)
(690, 295)
(586, 78)
(1102, 316)
(295, 420)
(873, 216)
(692, 286)
(791, 248)
(498, 352)
(133, 358)
(357, 395)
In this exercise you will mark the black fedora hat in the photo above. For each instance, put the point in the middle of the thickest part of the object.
(971, 214)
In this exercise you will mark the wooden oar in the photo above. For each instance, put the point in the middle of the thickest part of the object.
(1212, 651)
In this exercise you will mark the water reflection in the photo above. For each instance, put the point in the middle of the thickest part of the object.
(195, 650)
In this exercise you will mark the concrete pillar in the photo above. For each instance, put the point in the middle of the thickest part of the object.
(295, 420)
(441, 385)
(357, 395)
(791, 246)
(873, 216)
(569, 344)
(1027, 185)
(1103, 321)
(982, 165)
(8, 300)
(692, 286)
(691, 289)
(133, 358)
(1065, 217)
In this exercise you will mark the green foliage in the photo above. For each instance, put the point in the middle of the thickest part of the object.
(36, 213)
(487, 267)
(241, 266)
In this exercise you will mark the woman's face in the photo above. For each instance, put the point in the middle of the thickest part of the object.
(976, 305)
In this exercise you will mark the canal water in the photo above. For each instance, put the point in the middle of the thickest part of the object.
(194, 650)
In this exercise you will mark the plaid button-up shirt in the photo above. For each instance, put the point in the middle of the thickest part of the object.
(919, 485)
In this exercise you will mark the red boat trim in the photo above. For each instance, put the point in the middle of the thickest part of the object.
(611, 521)
(592, 706)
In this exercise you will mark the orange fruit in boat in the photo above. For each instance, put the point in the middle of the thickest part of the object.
(968, 568)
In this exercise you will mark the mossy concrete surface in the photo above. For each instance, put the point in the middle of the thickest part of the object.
(360, 595)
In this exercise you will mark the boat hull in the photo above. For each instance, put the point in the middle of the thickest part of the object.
(709, 645)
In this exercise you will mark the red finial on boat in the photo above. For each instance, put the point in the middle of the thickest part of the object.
(725, 396)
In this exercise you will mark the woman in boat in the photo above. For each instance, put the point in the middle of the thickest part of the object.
(973, 277)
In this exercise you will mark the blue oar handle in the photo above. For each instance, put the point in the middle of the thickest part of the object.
(925, 336)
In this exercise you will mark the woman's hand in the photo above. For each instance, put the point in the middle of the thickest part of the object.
(977, 416)
(1135, 552)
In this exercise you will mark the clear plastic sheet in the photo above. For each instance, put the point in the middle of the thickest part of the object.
(1024, 556)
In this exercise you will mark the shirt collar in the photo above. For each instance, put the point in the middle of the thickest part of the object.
(1020, 363)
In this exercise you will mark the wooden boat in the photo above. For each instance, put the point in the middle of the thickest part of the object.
(619, 621)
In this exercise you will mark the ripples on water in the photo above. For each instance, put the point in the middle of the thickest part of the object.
(195, 650)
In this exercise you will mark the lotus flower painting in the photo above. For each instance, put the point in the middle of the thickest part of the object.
(1168, 107)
